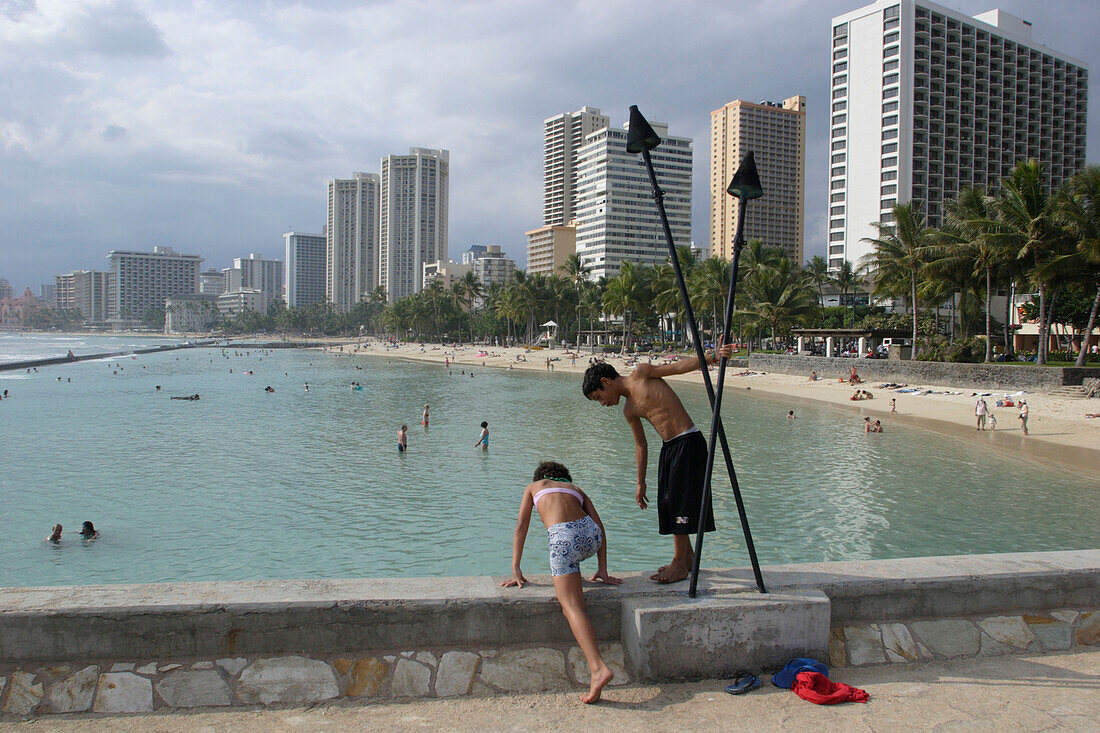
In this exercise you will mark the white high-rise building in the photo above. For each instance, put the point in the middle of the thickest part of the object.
(351, 252)
(927, 101)
(256, 273)
(141, 281)
(212, 282)
(305, 269)
(563, 136)
(413, 218)
(617, 220)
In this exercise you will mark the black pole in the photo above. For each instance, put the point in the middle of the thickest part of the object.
(716, 404)
(659, 198)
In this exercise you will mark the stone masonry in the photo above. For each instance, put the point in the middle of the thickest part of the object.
(135, 686)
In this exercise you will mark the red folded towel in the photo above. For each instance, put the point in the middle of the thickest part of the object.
(820, 690)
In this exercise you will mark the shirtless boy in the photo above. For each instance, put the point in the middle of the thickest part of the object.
(682, 468)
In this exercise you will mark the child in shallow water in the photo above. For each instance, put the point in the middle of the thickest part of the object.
(575, 533)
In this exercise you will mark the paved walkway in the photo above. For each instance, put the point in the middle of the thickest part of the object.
(1027, 693)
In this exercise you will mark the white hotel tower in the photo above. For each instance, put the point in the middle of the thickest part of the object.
(927, 101)
(616, 218)
(412, 219)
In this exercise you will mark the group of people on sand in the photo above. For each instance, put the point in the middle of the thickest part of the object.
(574, 529)
(862, 394)
(87, 532)
(984, 416)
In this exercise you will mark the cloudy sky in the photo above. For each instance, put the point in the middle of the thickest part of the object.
(211, 126)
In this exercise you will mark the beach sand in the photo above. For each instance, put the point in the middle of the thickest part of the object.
(1059, 431)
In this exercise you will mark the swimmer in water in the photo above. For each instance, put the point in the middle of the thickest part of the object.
(88, 531)
(55, 535)
(483, 439)
(424, 418)
(403, 439)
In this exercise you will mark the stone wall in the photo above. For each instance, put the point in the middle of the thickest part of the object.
(132, 648)
(1003, 377)
(141, 685)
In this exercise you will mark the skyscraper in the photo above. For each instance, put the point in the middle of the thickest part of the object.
(616, 218)
(256, 273)
(563, 136)
(142, 281)
(413, 218)
(305, 268)
(927, 101)
(351, 249)
(776, 134)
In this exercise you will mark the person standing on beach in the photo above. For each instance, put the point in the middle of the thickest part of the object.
(981, 410)
(893, 406)
(1023, 416)
(682, 470)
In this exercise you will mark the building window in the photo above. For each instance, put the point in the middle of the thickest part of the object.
(889, 134)
(891, 65)
(890, 148)
(839, 157)
(836, 236)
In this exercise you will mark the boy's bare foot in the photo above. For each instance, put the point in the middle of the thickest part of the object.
(672, 573)
(600, 678)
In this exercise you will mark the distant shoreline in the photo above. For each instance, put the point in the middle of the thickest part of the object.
(1060, 434)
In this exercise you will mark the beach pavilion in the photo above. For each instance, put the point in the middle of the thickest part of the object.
(866, 339)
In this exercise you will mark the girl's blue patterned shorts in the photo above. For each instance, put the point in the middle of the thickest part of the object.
(571, 542)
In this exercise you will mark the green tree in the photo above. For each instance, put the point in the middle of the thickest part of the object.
(1079, 213)
(898, 256)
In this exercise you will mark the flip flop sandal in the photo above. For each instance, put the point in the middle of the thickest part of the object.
(743, 682)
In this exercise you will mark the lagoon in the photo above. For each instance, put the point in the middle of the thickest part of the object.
(245, 484)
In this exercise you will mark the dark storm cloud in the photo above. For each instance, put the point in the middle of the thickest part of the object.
(212, 127)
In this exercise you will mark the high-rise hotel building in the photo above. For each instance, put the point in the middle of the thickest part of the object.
(413, 218)
(616, 218)
(563, 136)
(140, 281)
(305, 268)
(351, 247)
(776, 134)
(927, 101)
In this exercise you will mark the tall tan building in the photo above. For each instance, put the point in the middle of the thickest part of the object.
(548, 247)
(776, 133)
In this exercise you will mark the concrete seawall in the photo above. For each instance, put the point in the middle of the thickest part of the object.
(223, 643)
(1003, 377)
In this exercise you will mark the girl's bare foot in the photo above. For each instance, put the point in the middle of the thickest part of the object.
(600, 678)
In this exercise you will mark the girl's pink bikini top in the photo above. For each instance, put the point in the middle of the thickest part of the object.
(558, 490)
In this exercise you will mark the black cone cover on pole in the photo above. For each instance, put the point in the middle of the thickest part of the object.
(640, 136)
(746, 181)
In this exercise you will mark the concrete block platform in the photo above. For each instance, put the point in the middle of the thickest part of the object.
(715, 637)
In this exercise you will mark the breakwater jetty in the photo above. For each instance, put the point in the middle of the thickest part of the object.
(67, 359)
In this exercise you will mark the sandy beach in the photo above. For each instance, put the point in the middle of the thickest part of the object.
(1059, 431)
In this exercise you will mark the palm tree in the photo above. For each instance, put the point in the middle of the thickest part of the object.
(845, 279)
(817, 269)
(1079, 212)
(780, 296)
(898, 255)
(469, 289)
(964, 243)
(1026, 226)
(625, 296)
(708, 288)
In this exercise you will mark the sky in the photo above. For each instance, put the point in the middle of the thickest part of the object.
(212, 126)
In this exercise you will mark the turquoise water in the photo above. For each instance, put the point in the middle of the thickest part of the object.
(29, 346)
(244, 484)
